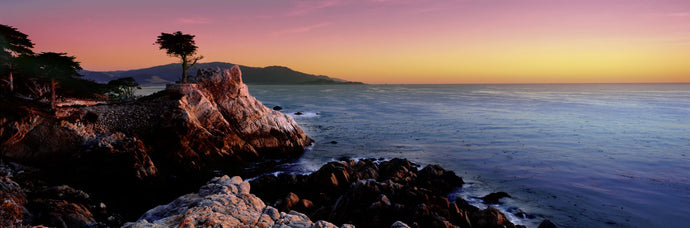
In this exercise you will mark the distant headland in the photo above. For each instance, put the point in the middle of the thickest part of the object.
(165, 74)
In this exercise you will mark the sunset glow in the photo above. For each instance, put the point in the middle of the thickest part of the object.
(380, 41)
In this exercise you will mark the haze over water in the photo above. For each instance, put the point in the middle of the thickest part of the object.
(581, 155)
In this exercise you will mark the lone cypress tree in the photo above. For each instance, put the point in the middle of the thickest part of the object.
(181, 46)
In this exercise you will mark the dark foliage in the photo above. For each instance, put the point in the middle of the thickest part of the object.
(12, 43)
(181, 46)
(122, 88)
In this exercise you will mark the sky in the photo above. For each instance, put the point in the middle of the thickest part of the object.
(380, 41)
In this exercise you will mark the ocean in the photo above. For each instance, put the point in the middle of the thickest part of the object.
(581, 155)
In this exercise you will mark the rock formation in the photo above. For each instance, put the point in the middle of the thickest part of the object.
(223, 202)
(190, 125)
(154, 148)
(28, 201)
(372, 193)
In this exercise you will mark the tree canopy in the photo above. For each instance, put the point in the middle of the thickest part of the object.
(13, 43)
(56, 68)
(123, 88)
(182, 46)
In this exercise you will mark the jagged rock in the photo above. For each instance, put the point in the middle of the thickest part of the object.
(437, 179)
(60, 213)
(222, 203)
(399, 224)
(493, 198)
(490, 218)
(546, 224)
(12, 204)
(372, 194)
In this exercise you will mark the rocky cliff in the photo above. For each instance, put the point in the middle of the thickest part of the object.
(174, 139)
(190, 126)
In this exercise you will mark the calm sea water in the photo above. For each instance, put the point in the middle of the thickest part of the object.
(581, 155)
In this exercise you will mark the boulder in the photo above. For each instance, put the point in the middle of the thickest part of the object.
(546, 224)
(493, 198)
(221, 203)
(371, 193)
(12, 204)
(490, 218)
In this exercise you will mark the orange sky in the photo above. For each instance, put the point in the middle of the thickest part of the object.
(381, 41)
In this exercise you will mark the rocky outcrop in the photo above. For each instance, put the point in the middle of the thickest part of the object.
(141, 153)
(189, 126)
(12, 203)
(373, 193)
(223, 202)
(27, 201)
(493, 198)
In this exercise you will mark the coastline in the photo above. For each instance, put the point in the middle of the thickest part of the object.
(104, 165)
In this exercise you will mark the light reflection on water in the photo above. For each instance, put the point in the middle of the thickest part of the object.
(583, 155)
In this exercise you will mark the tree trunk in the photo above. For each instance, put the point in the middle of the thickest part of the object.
(52, 93)
(11, 82)
(184, 69)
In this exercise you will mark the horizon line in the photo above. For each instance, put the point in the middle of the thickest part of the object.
(402, 83)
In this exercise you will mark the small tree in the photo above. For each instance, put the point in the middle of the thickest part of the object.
(56, 68)
(123, 88)
(12, 44)
(181, 46)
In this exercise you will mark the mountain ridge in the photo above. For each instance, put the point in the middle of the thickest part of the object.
(169, 73)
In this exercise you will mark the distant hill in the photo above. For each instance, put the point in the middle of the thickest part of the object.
(165, 74)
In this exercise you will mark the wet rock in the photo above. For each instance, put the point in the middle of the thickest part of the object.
(493, 198)
(277, 108)
(372, 194)
(298, 113)
(399, 224)
(546, 224)
(490, 218)
(437, 179)
(398, 170)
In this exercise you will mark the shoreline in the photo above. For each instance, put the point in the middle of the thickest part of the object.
(104, 165)
(341, 180)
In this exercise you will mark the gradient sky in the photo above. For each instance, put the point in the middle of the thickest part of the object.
(381, 41)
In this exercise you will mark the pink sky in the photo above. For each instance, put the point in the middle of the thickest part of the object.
(379, 41)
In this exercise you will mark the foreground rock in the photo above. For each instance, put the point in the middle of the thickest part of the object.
(27, 201)
(142, 153)
(223, 202)
(371, 193)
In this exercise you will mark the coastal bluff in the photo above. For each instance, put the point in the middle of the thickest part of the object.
(138, 154)
(187, 128)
